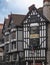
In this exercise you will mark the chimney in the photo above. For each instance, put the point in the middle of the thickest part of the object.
(46, 9)
(46, 12)
(46, 0)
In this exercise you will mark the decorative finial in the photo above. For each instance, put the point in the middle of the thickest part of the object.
(31, 7)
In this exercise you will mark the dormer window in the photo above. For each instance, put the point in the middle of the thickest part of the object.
(19, 34)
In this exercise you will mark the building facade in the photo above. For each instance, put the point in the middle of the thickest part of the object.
(35, 37)
(26, 39)
(46, 13)
(12, 32)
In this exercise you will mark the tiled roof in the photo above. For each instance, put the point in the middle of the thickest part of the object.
(17, 19)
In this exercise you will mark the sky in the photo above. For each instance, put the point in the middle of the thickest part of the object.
(16, 7)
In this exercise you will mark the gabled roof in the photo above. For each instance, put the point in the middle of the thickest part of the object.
(6, 23)
(39, 11)
(17, 19)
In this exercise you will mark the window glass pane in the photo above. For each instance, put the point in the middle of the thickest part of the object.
(13, 46)
(14, 56)
(42, 53)
(34, 35)
(13, 35)
(6, 38)
(20, 46)
(7, 47)
(21, 54)
(19, 35)
(34, 30)
(7, 57)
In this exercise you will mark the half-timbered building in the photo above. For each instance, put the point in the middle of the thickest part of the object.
(12, 31)
(35, 37)
(26, 39)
